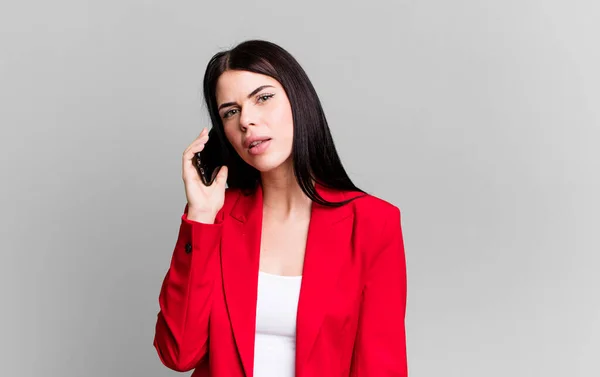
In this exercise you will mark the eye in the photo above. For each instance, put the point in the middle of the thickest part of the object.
(260, 99)
(229, 113)
(264, 97)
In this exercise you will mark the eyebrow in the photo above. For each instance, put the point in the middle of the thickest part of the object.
(226, 104)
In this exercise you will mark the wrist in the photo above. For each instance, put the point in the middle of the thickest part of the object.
(204, 217)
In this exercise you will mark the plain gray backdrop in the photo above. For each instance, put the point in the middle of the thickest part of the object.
(479, 119)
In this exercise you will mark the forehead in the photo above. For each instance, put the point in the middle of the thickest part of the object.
(236, 85)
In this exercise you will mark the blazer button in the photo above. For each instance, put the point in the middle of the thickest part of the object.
(188, 248)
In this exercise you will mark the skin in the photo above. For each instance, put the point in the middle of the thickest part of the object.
(286, 209)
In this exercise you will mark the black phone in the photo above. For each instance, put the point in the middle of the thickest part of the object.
(210, 159)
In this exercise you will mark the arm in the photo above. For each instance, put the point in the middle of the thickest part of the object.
(380, 346)
(181, 335)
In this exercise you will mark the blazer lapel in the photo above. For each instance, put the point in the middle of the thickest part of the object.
(240, 262)
(326, 251)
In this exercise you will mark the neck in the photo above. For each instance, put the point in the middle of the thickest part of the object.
(282, 196)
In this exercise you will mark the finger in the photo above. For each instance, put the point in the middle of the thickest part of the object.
(203, 133)
(197, 145)
(201, 136)
(188, 155)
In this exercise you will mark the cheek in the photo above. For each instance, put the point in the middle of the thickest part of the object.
(232, 137)
(285, 122)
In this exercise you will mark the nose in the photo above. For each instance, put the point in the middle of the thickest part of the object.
(247, 118)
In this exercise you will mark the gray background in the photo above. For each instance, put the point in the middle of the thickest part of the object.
(479, 119)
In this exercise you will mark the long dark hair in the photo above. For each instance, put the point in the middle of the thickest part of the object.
(314, 154)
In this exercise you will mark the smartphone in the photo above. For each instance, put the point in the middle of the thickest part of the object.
(210, 159)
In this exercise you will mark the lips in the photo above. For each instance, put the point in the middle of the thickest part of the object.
(253, 142)
(259, 147)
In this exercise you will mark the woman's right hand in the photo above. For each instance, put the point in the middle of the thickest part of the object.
(204, 202)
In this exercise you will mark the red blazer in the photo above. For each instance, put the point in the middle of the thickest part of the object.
(352, 302)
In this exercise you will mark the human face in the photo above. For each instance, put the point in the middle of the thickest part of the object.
(252, 107)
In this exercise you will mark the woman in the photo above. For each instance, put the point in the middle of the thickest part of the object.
(291, 270)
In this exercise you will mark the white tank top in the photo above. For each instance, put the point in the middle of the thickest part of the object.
(275, 341)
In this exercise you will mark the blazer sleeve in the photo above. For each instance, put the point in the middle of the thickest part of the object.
(181, 334)
(380, 346)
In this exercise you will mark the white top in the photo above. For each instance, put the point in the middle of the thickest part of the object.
(275, 341)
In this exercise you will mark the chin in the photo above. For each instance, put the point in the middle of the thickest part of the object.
(267, 163)
(265, 167)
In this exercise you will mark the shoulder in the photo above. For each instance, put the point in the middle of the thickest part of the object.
(376, 222)
(376, 226)
(372, 209)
